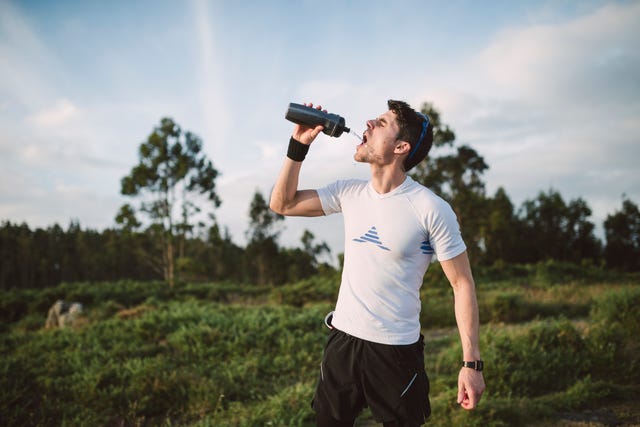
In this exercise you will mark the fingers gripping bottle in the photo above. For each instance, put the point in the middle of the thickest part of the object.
(334, 125)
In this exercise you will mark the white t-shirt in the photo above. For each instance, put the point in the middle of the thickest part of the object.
(390, 240)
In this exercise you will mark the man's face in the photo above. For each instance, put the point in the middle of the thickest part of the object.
(379, 140)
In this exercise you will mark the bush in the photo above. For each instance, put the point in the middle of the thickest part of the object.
(147, 355)
(169, 363)
(314, 289)
(506, 307)
(614, 335)
(541, 358)
(552, 272)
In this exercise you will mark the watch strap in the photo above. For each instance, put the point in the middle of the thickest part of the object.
(477, 365)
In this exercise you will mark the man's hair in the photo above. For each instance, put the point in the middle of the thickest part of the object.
(411, 128)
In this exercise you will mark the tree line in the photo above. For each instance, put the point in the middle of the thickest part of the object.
(170, 231)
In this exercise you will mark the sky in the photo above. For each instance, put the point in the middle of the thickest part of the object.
(548, 92)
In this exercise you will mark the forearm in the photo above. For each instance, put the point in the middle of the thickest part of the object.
(467, 318)
(284, 192)
(286, 199)
(470, 381)
(458, 271)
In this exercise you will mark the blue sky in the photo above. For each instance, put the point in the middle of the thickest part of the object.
(547, 91)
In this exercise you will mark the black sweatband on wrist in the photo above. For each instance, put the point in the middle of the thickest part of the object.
(297, 150)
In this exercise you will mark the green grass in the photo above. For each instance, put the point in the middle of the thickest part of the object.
(232, 355)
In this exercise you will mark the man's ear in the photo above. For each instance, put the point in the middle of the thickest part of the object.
(402, 147)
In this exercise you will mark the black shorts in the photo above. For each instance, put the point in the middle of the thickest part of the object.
(389, 379)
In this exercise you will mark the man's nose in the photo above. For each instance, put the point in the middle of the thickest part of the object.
(371, 124)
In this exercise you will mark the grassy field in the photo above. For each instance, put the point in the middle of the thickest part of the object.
(559, 342)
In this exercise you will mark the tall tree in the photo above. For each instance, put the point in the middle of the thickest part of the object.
(262, 250)
(225, 258)
(303, 262)
(581, 241)
(312, 249)
(456, 175)
(500, 231)
(556, 230)
(622, 231)
(171, 171)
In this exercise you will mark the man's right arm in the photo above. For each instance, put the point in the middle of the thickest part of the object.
(286, 199)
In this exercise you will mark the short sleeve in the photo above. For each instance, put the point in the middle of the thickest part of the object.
(330, 198)
(444, 233)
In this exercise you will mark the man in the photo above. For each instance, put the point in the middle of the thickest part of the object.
(393, 226)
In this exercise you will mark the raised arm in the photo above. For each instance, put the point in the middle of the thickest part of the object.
(470, 382)
(286, 199)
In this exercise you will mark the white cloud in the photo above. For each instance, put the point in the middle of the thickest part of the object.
(589, 59)
(61, 113)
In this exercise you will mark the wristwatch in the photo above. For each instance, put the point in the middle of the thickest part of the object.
(478, 365)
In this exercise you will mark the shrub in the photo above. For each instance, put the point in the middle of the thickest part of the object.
(613, 338)
(552, 272)
(541, 358)
(168, 364)
(506, 307)
(317, 288)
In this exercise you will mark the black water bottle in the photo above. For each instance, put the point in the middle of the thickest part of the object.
(334, 125)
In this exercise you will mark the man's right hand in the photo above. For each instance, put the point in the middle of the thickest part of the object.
(306, 134)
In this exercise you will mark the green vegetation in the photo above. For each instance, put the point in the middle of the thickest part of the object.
(555, 338)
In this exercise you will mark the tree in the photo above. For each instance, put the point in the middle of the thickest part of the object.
(172, 169)
(456, 177)
(555, 230)
(262, 250)
(226, 259)
(500, 231)
(622, 232)
(303, 262)
(581, 241)
(312, 249)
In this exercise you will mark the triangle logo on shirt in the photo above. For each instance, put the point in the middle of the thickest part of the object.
(371, 236)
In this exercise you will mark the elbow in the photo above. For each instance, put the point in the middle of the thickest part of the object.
(277, 206)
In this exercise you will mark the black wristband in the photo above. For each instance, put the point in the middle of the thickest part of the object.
(297, 150)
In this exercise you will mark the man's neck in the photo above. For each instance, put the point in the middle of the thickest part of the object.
(386, 179)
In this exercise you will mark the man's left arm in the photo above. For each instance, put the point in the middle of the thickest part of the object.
(470, 381)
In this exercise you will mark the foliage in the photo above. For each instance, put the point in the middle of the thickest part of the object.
(226, 354)
(457, 177)
(622, 230)
(556, 230)
(313, 289)
(171, 167)
(262, 249)
(616, 326)
(176, 361)
(173, 173)
(533, 361)
(44, 258)
(543, 228)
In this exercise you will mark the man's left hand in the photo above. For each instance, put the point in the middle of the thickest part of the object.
(470, 388)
